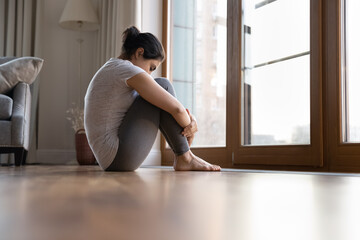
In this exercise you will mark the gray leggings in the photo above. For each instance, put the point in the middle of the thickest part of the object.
(138, 131)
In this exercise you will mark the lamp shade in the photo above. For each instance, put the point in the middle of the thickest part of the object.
(79, 15)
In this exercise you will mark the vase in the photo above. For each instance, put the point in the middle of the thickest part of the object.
(84, 155)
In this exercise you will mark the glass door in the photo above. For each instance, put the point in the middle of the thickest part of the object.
(350, 77)
(276, 67)
(197, 67)
(342, 98)
(250, 71)
(280, 95)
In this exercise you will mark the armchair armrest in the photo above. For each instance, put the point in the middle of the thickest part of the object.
(20, 120)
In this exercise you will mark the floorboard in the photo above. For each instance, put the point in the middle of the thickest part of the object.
(83, 202)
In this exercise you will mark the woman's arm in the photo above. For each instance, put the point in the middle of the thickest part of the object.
(152, 92)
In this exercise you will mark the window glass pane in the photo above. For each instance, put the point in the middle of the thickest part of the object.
(280, 103)
(183, 13)
(183, 94)
(184, 52)
(351, 71)
(199, 65)
(278, 29)
(276, 72)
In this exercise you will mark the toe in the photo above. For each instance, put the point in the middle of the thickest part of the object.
(214, 168)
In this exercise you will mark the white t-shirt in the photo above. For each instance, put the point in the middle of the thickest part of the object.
(107, 100)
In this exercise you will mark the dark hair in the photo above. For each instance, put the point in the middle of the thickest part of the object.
(133, 39)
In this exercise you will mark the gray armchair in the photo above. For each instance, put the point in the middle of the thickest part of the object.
(15, 121)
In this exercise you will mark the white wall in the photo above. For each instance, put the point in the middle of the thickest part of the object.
(59, 85)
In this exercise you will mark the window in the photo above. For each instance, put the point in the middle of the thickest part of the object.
(277, 84)
(198, 65)
(350, 53)
(276, 66)
(280, 111)
(342, 142)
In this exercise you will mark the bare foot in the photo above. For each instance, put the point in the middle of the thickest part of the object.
(189, 162)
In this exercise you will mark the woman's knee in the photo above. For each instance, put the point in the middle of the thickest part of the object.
(166, 84)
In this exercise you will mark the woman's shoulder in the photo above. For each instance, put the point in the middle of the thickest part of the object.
(119, 63)
(122, 67)
(115, 70)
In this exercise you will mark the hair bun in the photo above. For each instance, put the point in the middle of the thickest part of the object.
(130, 33)
(133, 40)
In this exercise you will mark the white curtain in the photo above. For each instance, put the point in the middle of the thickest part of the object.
(115, 16)
(20, 26)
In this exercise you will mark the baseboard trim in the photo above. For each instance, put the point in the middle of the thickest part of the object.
(153, 159)
(68, 157)
(56, 156)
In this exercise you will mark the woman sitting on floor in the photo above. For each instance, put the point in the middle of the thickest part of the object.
(125, 107)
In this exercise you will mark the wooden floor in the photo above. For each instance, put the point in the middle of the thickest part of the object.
(83, 202)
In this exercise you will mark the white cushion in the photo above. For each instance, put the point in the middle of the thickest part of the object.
(24, 69)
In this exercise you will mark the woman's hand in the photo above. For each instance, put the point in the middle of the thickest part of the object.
(191, 129)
